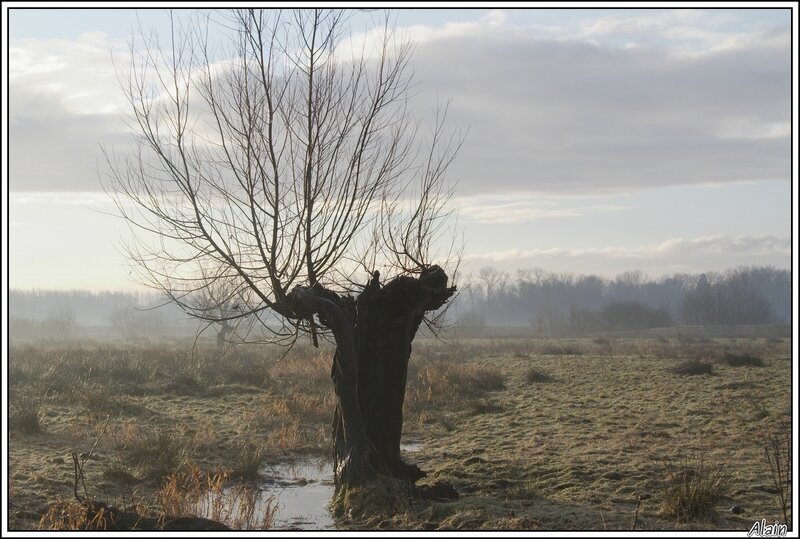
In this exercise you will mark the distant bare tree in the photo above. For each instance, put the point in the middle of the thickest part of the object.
(491, 279)
(726, 300)
(221, 302)
(292, 165)
(136, 323)
(60, 324)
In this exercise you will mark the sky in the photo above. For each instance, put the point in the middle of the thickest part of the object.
(596, 141)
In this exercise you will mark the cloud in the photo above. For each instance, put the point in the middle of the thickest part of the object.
(64, 103)
(609, 104)
(54, 149)
(674, 248)
(567, 116)
(522, 208)
(78, 73)
(93, 199)
(680, 29)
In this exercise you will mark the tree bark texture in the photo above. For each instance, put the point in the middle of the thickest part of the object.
(373, 335)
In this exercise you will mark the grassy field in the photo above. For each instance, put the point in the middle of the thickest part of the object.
(587, 434)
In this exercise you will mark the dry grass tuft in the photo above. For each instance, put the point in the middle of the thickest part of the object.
(693, 367)
(693, 491)
(187, 500)
(525, 489)
(742, 360)
(72, 515)
(535, 376)
(778, 452)
(181, 493)
(25, 415)
(246, 461)
(156, 451)
(293, 423)
(441, 382)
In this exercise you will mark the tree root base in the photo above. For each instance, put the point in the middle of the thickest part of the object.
(385, 496)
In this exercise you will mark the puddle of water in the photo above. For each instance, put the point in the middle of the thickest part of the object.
(303, 491)
(411, 447)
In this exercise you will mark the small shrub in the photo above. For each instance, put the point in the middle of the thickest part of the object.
(193, 492)
(185, 384)
(778, 452)
(692, 492)
(535, 376)
(486, 379)
(742, 360)
(181, 491)
(25, 416)
(100, 401)
(119, 473)
(68, 515)
(522, 490)
(242, 508)
(247, 461)
(693, 367)
(159, 452)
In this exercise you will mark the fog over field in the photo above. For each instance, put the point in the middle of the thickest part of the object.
(532, 301)
(408, 269)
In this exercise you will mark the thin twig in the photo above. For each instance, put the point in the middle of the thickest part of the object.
(636, 513)
(779, 458)
(78, 465)
(78, 472)
(91, 451)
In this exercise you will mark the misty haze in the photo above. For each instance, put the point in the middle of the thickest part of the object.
(413, 269)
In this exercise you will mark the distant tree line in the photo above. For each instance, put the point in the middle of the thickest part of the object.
(549, 303)
(564, 303)
(87, 307)
(60, 314)
(132, 316)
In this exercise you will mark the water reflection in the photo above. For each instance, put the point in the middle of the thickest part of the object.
(303, 490)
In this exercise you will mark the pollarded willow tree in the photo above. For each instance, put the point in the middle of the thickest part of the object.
(289, 162)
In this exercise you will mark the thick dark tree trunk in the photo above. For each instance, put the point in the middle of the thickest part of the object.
(387, 319)
(373, 337)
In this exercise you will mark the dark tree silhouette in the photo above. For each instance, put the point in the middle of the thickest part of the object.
(291, 164)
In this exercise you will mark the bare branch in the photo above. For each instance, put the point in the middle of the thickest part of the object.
(283, 159)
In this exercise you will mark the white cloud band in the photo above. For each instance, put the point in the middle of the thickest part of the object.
(671, 248)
